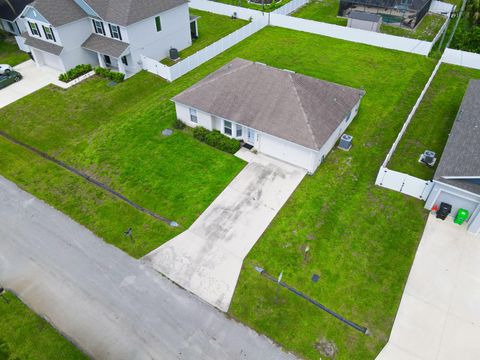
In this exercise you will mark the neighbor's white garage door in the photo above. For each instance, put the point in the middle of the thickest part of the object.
(286, 151)
(46, 59)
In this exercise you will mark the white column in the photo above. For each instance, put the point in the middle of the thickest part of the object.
(121, 66)
(101, 60)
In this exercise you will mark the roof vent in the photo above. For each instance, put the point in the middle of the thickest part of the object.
(428, 158)
(345, 142)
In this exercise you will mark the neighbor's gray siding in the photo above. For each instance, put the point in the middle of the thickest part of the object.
(145, 40)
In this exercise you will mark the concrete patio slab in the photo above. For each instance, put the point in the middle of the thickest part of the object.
(207, 258)
(439, 316)
(34, 78)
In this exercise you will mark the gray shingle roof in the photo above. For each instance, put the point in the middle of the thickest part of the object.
(291, 106)
(59, 12)
(42, 45)
(105, 45)
(359, 15)
(6, 11)
(461, 156)
(127, 12)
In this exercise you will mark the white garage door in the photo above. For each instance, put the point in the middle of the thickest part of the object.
(46, 59)
(457, 202)
(285, 150)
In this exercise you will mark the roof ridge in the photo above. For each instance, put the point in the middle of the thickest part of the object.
(203, 83)
(309, 127)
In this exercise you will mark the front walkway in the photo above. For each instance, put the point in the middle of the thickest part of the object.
(207, 258)
(34, 78)
(109, 304)
(439, 315)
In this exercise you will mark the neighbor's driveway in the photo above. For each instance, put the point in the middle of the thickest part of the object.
(439, 315)
(33, 79)
(207, 258)
(108, 303)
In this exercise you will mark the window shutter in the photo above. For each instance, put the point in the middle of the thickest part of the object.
(30, 26)
(103, 28)
(119, 32)
(94, 27)
(53, 35)
(45, 31)
(110, 28)
(158, 23)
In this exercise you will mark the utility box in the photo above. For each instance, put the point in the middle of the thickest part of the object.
(462, 216)
(345, 142)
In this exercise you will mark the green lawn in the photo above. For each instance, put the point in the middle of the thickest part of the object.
(10, 53)
(362, 238)
(321, 10)
(211, 28)
(249, 5)
(433, 121)
(326, 11)
(26, 336)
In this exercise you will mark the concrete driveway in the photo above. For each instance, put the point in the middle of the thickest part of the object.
(109, 304)
(34, 78)
(207, 258)
(439, 315)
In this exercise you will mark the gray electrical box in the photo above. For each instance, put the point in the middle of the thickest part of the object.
(345, 142)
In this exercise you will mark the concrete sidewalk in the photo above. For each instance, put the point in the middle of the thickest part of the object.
(439, 315)
(207, 258)
(109, 304)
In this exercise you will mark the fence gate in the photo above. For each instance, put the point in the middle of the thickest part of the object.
(404, 183)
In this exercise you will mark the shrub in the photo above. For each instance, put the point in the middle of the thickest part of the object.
(109, 74)
(178, 124)
(76, 72)
(216, 139)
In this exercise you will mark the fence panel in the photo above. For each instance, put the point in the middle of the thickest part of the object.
(224, 9)
(356, 35)
(290, 7)
(440, 7)
(462, 58)
(404, 183)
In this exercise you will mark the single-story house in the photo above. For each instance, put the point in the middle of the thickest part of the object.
(364, 21)
(457, 178)
(289, 116)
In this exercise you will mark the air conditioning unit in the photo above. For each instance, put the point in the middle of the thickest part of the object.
(174, 54)
(345, 142)
(428, 158)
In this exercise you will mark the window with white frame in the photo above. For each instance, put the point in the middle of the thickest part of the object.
(238, 131)
(115, 31)
(227, 127)
(34, 28)
(98, 26)
(193, 116)
(48, 33)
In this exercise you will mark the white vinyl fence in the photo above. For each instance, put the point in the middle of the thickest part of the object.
(184, 66)
(350, 34)
(290, 7)
(404, 183)
(462, 58)
(224, 9)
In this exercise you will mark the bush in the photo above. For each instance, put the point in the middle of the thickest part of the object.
(76, 72)
(216, 139)
(178, 124)
(109, 74)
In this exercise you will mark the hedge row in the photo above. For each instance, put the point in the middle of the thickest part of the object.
(74, 73)
(109, 74)
(216, 139)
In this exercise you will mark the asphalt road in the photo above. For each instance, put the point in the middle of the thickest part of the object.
(109, 304)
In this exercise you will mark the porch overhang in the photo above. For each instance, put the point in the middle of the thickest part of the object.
(106, 46)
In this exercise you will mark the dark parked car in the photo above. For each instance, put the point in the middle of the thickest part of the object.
(9, 78)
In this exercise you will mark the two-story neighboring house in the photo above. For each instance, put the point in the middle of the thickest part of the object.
(10, 20)
(110, 33)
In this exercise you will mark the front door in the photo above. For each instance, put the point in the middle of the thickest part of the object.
(108, 62)
(251, 136)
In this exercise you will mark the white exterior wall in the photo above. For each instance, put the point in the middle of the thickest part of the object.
(183, 114)
(459, 199)
(146, 41)
(43, 58)
(73, 35)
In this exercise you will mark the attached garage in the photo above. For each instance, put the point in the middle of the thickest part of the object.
(45, 53)
(457, 178)
(43, 58)
(289, 116)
